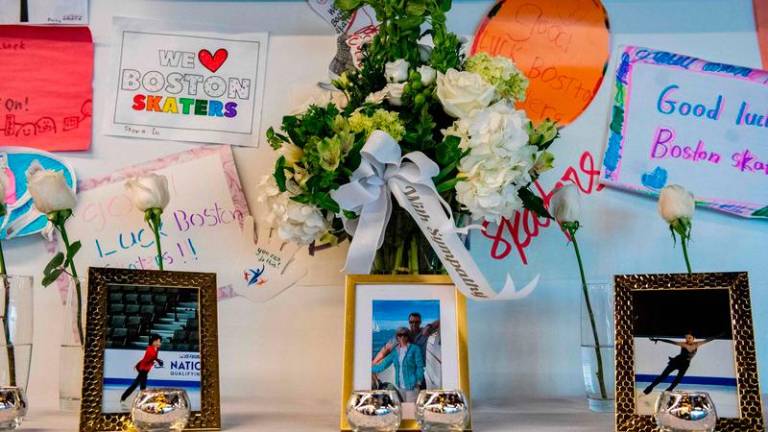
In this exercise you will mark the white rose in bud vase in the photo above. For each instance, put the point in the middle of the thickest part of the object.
(675, 202)
(148, 192)
(428, 75)
(395, 94)
(396, 71)
(565, 204)
(463, 93)
(49, 190)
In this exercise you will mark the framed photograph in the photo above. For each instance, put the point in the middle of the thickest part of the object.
(404, 333)
(149, 329)
(686, 332)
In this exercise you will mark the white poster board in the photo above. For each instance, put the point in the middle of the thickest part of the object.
(187, 83)
(678, 119)
(201, 226)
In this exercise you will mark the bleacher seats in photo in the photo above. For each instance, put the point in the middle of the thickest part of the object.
(137, 312)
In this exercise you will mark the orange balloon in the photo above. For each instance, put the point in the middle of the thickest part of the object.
(561, 46)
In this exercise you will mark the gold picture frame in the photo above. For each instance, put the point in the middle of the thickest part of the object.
(92, 417)
(747, 385)
(352, 283)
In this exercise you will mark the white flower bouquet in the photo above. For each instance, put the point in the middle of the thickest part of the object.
(454, 112)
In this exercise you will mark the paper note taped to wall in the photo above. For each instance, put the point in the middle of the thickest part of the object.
(201, 226)
(677, 119)
(45, 87)
(186, 83)
(44, 12)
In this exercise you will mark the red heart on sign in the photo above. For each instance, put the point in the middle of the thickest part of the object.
(212, 62)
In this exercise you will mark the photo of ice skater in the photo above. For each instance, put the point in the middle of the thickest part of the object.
(683, 341)
(153, 341)
(680, 362)
(144, 366)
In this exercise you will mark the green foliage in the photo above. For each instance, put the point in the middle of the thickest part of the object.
(533, 202)
(62, 260)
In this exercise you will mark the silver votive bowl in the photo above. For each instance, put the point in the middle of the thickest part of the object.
(679, 411)
(442, 410)
(374, 410)
(13, 407)
(160, 410)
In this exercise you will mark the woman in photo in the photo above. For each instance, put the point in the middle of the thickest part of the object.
(679, 363)
(409, 365)
(144, 366)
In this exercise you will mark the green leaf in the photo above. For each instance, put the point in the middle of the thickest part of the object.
(416, 7)
(447, 185)
(448, 151)
(347, 5)
(410, 22)
(280, 173)
(74, 248)
(763, 213)
(52, 276)
(533, 203)
(54, 263)
(324, 201)
(445, 5)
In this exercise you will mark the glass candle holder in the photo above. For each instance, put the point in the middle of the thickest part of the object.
(442, 410)
(160, 410)
(13, 407)
(374, 411)
(678, 411)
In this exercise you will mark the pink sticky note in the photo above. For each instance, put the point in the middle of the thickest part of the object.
(45, 87)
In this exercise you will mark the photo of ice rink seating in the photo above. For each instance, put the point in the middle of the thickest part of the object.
(135, 313)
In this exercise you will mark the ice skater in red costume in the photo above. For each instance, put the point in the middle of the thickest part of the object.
(145, 365)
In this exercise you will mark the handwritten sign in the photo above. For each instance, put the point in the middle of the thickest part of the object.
(174, 82)
(561, 46)
(44, 12)
(45, 87)
(677, 119)
(201, 226)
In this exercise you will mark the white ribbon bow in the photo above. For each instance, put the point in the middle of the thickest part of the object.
(382, 172)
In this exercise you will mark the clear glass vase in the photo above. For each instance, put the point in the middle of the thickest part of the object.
(16, 309)
(597, 345)
(72, 346)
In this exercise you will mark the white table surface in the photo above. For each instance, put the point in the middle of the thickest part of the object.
(239, 415)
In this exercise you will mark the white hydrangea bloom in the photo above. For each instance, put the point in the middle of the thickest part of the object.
(295, 222)
(498, 163)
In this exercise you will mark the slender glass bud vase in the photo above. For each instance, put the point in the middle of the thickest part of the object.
(72, 346)
(597, 346)
(16, 308)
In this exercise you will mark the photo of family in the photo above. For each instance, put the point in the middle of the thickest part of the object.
(152, 340)
(406, 350)
(683, 341)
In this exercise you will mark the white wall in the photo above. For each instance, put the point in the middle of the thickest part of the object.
(290, 349)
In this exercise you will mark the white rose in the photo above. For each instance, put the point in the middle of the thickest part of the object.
(148, 192)
(676, 203)
(395, 94)
(565, 204)
(49, 190)
(428, 74)
(295, 222)
(396, 71)
(463, 93)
